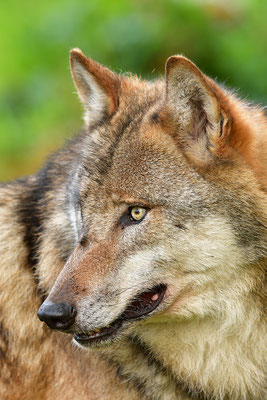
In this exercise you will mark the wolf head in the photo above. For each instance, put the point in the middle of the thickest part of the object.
(164, 205)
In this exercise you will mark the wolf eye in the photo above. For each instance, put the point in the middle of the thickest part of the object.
(134, 215)
(137, 213)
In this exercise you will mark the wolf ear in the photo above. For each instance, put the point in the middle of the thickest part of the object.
(97, 86)
(194, 103)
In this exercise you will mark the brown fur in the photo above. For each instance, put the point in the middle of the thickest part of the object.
(195, 156)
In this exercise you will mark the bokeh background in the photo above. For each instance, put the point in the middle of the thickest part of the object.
(38, 106)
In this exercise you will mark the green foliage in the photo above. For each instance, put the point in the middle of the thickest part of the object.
(38, 107)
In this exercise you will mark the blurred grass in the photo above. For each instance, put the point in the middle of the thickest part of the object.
(38, 107)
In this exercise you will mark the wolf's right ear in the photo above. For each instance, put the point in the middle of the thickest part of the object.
(97, 86)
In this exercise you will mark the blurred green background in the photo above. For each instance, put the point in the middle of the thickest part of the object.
(38, 107)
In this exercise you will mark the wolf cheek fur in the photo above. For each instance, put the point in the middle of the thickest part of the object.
(146, 236)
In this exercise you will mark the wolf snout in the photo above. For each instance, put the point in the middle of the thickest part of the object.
(57, 315)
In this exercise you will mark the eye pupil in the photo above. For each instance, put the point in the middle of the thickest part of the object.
(138, 213)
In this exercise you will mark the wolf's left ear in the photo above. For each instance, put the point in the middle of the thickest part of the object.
(97, 86)
(196, 108)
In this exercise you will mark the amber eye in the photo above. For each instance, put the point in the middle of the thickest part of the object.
(137, 213)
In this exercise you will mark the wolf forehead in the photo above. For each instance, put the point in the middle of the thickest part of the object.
(131, 128)
(132, 156)
(134, 148)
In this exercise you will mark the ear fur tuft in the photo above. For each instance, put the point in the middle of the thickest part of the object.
(97, 86)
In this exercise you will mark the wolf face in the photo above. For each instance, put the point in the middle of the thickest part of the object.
(164, 208)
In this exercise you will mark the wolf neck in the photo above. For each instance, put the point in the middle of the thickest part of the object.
(199, 359)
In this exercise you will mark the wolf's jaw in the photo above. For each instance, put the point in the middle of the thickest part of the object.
(98, 335)
(141, 305)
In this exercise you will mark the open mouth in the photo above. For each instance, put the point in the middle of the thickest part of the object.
(141, 305)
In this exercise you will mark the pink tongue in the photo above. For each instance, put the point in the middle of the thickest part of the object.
(144, 303)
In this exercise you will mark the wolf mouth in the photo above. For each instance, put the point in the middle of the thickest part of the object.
(141, 305)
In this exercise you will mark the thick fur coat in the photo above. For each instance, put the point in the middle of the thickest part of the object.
(150, 229)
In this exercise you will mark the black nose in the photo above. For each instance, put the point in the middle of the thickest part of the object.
(57, 316)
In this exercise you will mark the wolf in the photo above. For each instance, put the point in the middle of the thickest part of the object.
(141, 246)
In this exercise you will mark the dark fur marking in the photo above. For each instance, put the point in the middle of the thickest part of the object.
(31, 213)
(200, 119)
(2, 354)
(248, 229)
(6, 360)
(32, 210)
(180, 226)
(155, 118)
(83, 241)
(221, 126)
(128, 379)
(183, 387)
(3, 342)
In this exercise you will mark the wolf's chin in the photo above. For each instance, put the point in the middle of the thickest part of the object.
(139, 308)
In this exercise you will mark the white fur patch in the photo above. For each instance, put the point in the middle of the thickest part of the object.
(90, 92)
